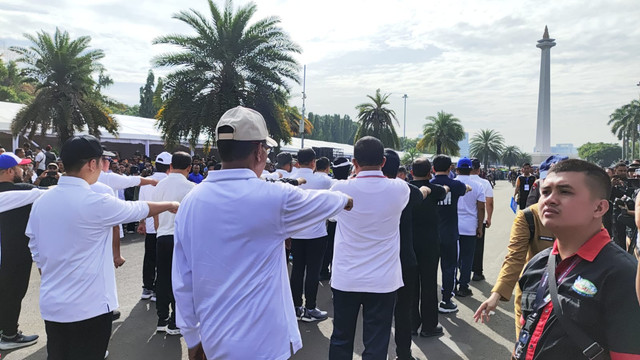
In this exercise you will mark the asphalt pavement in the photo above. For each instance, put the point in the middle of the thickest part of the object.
(134, 335)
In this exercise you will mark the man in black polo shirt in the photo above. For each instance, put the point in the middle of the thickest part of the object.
(595, 278)
(524, 183)
(15, 265)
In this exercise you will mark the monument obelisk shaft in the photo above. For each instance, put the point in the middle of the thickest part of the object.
(543, 132)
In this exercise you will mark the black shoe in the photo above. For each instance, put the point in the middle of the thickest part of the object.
(463, 292)
(162, 325)
(172, 329)
(115, 315)
(324, 277)
(17, 341)
(446, 307)
(478, 277)
(414, 332)
(437, 331)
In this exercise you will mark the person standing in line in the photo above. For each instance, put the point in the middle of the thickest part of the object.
(172, 188)
(470, 222)
(524, 183)
(41, 161)
(147, 228)
(308, 246)
(15, 263)
(448, 229)
(366, 263)
(408, 262)
(426, 244)
(284, 164)
(478, 254)
(72, 249)
(232, 292)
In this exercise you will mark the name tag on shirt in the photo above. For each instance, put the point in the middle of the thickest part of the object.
(526, 187)
(546, 238)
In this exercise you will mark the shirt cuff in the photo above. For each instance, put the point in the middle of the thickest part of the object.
(191, 336)
(504, 290)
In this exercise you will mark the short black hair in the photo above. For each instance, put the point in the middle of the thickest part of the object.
(233, 150)
(620, 164)
(162, 167)
(75, 166)
(475, 163)
(369, 151)
(390, 168)
(421, 167)
(464, 171)
(306, 156)
(217, 166)
(322, 164)
(441, 163)
(526, 164)
(180, 160)
(597, 179)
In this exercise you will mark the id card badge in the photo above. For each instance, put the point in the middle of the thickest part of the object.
(526, 187)
(519, 352)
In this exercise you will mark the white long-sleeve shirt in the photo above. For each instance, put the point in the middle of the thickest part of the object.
(229, 276)
(314, 182)
(146, 194)
(172, 188)
(117, 181)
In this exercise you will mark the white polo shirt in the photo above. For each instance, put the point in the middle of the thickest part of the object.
(172, 188)
(146, 194)
(41, 159)
(231, 284)
(70, 241)
(488, 189)
(314, 182)
(468, 207)
(366, 256)
(117, 181)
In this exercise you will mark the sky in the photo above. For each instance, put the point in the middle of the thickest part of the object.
(476, 59)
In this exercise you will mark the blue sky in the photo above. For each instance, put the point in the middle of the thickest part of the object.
(474, 58)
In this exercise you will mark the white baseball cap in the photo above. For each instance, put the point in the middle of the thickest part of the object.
(247, 124)
(164, 158)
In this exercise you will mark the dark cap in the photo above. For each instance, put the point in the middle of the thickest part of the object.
(80, 147)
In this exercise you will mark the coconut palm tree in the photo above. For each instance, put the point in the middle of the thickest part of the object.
(624, 123)
(376, 120)
(443, 132)
(230, 60)
(292, 117)
(511, 155)
(66, 96)
(486, 145)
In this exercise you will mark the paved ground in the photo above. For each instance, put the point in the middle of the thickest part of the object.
(134, 334)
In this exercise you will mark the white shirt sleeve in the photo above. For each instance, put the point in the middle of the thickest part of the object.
(119, 182)
(182, 282)
(304, 208)
(113, 211)
(10, 200)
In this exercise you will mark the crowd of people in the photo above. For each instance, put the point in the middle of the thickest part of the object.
(377, 231)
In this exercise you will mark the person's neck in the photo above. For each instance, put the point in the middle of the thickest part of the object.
(184, 173)
(306, 167)
(442, 172)
(570, 240)
(370, 168)
(420, 178)
(243, 165)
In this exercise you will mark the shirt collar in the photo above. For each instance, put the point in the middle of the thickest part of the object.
(589, 250)
(231, 174)
(73, 181)
(176, 175)
(371, 173)
(305, 171)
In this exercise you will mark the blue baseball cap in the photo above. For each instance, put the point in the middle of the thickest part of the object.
(9, 160)
(464, 163)
(546, 165)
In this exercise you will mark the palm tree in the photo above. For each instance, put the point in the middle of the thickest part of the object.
(376, 120)
(409, 156)
(624, 123)
(486, 145)
(226, 63)
(511, 156)
(443, 132)
(66, 97)
(292, 118)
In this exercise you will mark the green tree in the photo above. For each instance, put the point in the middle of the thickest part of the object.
(230, 60)
(147, 106)
(66, 99)
(407, 143)
(511, 155)
(13, 86)
(443, 133)
(292, 117)
(376, 120)
(409, 156)
(486, 145)
(600, 153)
(624, 123)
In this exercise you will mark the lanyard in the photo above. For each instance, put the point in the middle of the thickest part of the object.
(539, 302)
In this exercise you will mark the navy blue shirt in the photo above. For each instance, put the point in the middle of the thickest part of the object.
(448, 207)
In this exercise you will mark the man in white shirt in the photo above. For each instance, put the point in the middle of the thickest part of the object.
(470, 224)
(172, 188)
(147, 228)
(284, 165)
(308, 246)
(232, 291)
(71, 245)
(366, 262)
(41, 161)
(478, 254)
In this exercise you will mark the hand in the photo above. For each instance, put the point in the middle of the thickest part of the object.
(479, 231)
(174, 208)
(446, 188)
(197, 353)
(349, 205)
(486, 309)
(287, 243)
(488, 223)
(469, 188)
(142, 228)
(43, 175)
(301, 181)
(118, 261)
(425, 191)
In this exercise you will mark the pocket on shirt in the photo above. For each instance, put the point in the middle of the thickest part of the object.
(528, 300)
(581, 312)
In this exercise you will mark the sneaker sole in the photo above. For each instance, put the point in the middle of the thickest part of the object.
(312, 319)
(12, 346)
(153, 298)
(446, 311)
(145, 297)
(173, 331)
(161, 329)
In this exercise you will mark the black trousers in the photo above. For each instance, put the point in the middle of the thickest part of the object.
(377, 313)
(80, 340)
(149, 262)
(479, 252)
(164, 289)
(307, 258)
(328, 253)
(15, 271)
(425, 295)
(403, 312)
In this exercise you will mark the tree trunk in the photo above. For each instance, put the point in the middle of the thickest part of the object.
(438, 147)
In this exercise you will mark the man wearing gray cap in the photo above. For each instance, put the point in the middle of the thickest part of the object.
(232, 293)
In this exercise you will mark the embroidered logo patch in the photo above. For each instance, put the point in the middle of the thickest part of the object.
(584, 287)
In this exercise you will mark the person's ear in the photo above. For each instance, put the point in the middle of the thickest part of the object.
(384, 160)
(601, 208)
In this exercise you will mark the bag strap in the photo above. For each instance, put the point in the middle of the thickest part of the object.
(591, 349)
(528, 215)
